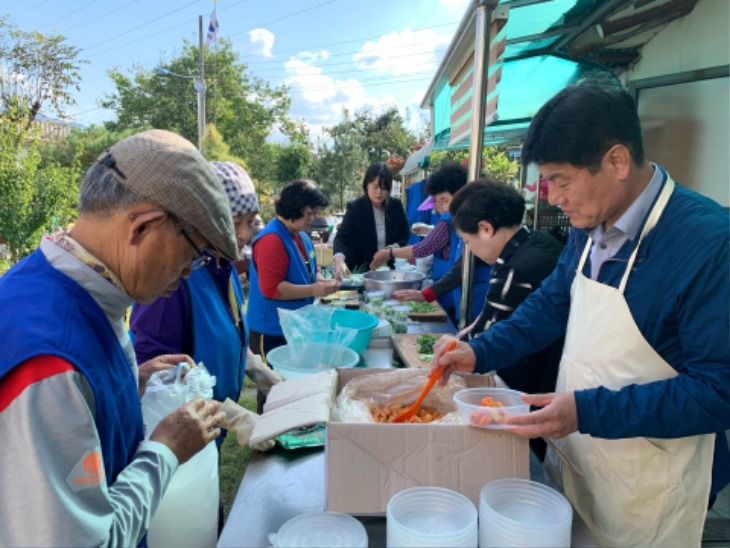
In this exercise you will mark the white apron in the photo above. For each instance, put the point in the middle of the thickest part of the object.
(635, 491)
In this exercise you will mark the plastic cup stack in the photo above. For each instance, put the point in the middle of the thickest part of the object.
(430, 517)
(321, 530)
(523, 513)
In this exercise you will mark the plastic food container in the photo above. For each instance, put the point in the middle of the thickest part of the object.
(430, 516)
(398, 326)
(375, 298)
(518, 512)
(400, 313)
(388, 307)
(474, 413)
(321, 530)
(318, 357)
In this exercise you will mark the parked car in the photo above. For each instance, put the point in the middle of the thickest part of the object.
(323, 227)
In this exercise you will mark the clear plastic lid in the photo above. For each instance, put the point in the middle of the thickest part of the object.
(321, 529)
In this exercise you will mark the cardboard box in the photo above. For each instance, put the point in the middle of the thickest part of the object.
(366, 464)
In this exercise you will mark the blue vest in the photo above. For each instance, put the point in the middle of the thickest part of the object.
(441, 265)
(220, 341)
(479, 288)
(44, 312)
(262, 315)
(480, 281)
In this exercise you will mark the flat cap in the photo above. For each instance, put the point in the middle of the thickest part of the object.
(170, 172)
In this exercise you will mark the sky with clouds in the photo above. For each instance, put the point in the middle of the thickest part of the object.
(333, 54)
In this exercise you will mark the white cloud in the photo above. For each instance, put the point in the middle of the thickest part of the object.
(320, 98)
(261, 42)
(404, 52)
(417, 97)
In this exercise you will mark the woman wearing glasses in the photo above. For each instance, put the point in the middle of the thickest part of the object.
(371, 222)
(284, 268)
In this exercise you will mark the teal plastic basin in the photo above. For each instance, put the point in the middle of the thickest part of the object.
(316, 358)
(354, 319)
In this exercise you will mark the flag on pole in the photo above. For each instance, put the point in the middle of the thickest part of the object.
(213, 27)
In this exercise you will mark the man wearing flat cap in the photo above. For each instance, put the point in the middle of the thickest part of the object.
(75, 468)
(205, 317)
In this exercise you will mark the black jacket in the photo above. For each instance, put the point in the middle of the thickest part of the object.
(526, 260)
(356, 238)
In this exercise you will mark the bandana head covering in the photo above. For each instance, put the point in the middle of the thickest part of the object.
(238, 186)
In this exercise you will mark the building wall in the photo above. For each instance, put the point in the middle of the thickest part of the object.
(699, 40)
(685, 115)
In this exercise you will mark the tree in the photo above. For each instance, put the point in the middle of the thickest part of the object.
(293, 162)
(358, 140)
(82, 145)
(496, 163)
(383, 135)
(341, 162)
(36, 71)
(244, 109)
(36, 198)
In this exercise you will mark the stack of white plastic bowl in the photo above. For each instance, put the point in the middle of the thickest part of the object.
(430, 517)
(321, 530)
(523, 513)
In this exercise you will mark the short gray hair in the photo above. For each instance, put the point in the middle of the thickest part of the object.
(101, 193)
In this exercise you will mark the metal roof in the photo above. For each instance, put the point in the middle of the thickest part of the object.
(549, 45)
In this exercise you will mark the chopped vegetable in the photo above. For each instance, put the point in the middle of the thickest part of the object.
(425, 344)
(420, 308)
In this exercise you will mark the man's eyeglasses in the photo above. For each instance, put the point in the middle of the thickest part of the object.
(200, 259)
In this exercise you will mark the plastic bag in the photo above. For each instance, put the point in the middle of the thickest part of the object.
(167, 390)
(187, 515)
(391, 388)
(312, 324)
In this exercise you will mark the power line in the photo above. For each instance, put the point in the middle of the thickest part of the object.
(353, 41)
(375, 83)
(68, 15)
(107, 14)
(388, 48)
(388, 67)
(303, 48)
(156, 34)
(31, 9)
(284, 17)
(140, 26)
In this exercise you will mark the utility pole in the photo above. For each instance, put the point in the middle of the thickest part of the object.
(200, 86)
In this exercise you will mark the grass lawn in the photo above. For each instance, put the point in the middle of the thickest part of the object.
(234, 458)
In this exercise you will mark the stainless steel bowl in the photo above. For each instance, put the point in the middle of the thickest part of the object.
(392, 280)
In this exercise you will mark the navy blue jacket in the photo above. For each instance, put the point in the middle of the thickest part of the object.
(679, 297)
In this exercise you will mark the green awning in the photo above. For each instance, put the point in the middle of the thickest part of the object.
(529, 77)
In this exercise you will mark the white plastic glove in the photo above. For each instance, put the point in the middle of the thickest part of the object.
(263, 376)
(242, 421)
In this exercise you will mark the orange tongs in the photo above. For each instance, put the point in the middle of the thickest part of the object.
(408, 413)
